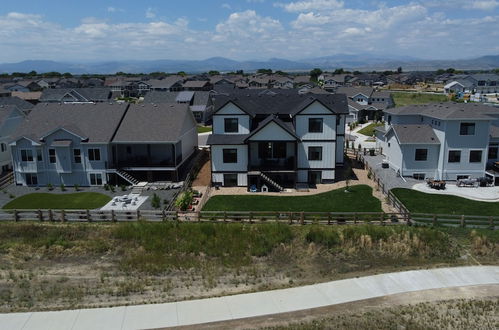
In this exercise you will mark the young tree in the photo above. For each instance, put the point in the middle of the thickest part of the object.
(314, 74)
(399, 69)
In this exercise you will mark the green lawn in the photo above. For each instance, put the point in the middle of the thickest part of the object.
(401, 99)
(369, 130)
(82, 200)
(419, 202)
(359, 199)
(204, 129)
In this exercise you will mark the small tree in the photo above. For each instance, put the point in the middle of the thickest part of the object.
(77, 187)
(184, 200)
(63, 187)
(155, 201)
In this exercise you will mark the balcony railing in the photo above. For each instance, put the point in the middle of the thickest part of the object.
(269, 165)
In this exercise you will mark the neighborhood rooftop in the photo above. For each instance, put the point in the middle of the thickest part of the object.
(282, 103)
(415, 134)
(450, 110)
(95, 122)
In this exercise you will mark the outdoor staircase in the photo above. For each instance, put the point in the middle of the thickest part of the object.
(127, 177)
(271, 182)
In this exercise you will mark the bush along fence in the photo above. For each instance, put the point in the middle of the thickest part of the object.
(292, 218)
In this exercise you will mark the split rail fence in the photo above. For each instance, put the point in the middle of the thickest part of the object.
(298, 218)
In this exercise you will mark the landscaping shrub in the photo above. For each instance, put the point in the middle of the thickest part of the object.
(184, 200)
(155, 201)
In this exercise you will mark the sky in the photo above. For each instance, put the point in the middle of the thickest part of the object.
(100, 30)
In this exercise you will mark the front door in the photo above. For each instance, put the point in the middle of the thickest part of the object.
(314, 177)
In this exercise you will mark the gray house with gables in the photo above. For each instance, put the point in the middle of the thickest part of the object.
(95, 144)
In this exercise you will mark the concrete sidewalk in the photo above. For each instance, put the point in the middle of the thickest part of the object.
(252, 304)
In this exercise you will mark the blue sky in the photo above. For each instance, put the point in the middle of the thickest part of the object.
(95, 30)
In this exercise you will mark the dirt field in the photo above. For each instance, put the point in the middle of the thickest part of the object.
(49, 267)
(204, 175)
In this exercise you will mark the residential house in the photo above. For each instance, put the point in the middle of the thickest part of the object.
(482, 83)
(5, 92)
(10, 119)
(20, 104)
(281, 82)
(197, 85)
(226, 82)
(331, 81)
(258, 81)
(31, 97)
(200, 102)
(446, 141)
(76, 95)
(366, 103)
(167, 84)
(99, 143)
(277, 140)
(48, 82)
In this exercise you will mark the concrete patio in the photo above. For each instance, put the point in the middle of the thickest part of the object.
(483, 194)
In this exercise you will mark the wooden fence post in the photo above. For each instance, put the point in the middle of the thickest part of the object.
(434, 220)
(225, 216)
(251, 217)
(40, 215)
(382, 218)
(491, 222)
(138, 215)
(329, 218)
(302, 218)
(51, 216)
(163, 215)
(198, 216)
(89, 218)
(63, 216)
(113, 216)
(463, 222)
(290, 216)
(16, 216)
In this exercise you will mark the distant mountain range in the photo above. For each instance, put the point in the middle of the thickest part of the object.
(350, 62)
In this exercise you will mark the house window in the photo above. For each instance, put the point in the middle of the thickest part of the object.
(128, 149)
(39, 156)
(77, 156)
(230, 155)
(493, 151)
(421, 154)
(475, 156)
(26, 155)
(419, 176)
(231, 125)
(31, 179)
(467, 129)
(52, 156)
(315, 125)
(94, 154)
(95, 179)
(314, 153)
(389, 119)
(3, 147)
(230, 180)
(454, 156)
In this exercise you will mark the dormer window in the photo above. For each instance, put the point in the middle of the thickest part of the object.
(231, 125)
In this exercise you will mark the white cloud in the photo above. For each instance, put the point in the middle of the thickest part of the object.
(311, 5)
(226, 6)
(482, 5)
(150, 13)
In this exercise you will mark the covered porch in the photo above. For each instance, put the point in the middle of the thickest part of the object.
(145, 156)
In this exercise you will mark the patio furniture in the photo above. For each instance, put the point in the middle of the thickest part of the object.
(467, 183)
(436, 184)
(253, 188)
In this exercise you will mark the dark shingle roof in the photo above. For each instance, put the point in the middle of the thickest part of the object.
(352, 91)
(158, 97)
(16, 101)
(97, 122)
(494, 131)
(415, 134)
(154, 123)
(217, 139)
(82, 94)
(448, 110)
(282, 102)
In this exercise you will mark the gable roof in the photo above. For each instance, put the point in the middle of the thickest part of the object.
(353, 91)
(448, 111)
(159, 97)
(288, 127)
(18, 102)
(81, 94)
(97, 122)
(154, 123)
(414, 134)
(281, 102)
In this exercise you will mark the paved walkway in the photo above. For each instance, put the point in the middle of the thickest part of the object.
(252, 304)
(361, 138)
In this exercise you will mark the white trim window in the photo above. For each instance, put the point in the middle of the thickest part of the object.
(26, 155)
(95, 179)
(94, 154)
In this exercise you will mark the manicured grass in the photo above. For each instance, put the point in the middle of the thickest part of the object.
(419, 202)
(359, 199)
(369, 130)
(82, 200)
(401, 99)
(204, 129)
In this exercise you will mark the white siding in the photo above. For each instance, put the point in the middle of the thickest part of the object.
(315, 108)
(328, 155)
(217, 164)
(327, 175)
(328, 127)
(219, 124)
(189, 143)
(272, 132)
